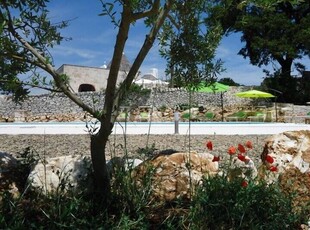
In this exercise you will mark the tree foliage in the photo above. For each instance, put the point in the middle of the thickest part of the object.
(276, 33)
(189, 46)
(26, 34)
(228, 81)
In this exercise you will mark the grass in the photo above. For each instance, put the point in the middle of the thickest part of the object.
(217, 204)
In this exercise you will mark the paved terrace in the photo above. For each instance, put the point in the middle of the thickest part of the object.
(185, 128)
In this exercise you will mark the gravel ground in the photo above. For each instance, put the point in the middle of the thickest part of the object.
(58, 145)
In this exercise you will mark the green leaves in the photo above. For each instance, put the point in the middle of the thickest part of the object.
(189, 46)
(22, 22)
(107, 9)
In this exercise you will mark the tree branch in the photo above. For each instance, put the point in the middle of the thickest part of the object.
(152, 11)
(49, 68)
(107, 121)
(173, 22)
(34, 86)
(147, 45)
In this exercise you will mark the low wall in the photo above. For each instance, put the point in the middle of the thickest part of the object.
(57, 103)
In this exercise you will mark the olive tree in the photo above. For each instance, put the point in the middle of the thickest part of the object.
(27, 35)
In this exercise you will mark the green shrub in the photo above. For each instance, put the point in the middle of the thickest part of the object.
(220, 204)
(217, 204)
(209, 115)
(138, 89)
(186, 116)
(184, 107)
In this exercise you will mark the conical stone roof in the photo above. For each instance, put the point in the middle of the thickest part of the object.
(125, 64)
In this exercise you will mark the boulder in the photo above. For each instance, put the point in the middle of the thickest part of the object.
(122, 163)
(286, 159)
(176, 175)
(8, 175)
(69, 172)
(157, 116)
(59, 173)
(245, 169)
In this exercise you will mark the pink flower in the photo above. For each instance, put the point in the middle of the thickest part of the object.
(209, 145)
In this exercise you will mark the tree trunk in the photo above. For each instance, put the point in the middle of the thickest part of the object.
(101, 176)
(286, 81)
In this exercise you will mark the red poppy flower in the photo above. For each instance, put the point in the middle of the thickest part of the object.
(241, 148)
(269, 159)
(249, 145)
(244, 183)
(241, 157)
(231, 150)
(209, 145)
(216, 158)
(273, 169)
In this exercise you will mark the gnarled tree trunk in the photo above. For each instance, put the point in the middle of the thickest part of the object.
(98, 156)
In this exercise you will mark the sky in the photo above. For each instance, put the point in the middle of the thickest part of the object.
(93, 39)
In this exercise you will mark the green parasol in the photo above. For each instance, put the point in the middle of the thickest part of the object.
(215, 87)
(254, 94)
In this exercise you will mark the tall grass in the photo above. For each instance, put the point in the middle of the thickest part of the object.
(216, 204)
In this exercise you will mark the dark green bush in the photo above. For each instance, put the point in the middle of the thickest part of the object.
(217, 204)
(220, 204)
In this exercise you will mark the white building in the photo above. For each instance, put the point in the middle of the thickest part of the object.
(85, 78)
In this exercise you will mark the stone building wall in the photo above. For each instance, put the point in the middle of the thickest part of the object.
(93, 76)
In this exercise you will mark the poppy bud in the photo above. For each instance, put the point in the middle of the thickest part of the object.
(244, 183)
(249, 145)
(241, 148)
(273, 169)
(216, 158)
(209, 145)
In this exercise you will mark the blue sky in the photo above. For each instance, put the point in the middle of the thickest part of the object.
(93, 40)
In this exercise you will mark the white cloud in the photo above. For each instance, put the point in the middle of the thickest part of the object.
(68, 51)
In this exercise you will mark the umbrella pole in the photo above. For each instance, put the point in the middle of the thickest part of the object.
(222, 103)
(275, 105)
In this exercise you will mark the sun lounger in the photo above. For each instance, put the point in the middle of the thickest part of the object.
(122, 117)
(209, 116)
(238, 116)
(144, 116)
(257, 117)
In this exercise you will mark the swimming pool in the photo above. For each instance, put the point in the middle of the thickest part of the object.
(193, 128)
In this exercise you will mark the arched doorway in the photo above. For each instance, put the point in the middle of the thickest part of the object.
(86, 88)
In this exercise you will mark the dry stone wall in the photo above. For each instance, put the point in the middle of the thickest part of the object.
(55, 104)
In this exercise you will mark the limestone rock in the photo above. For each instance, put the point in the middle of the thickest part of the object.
(243, 169)
(122, 163)
(157, 116)
(173, 176)
(8, 175)
(286, 158)
(56, 173)
(288, 150)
